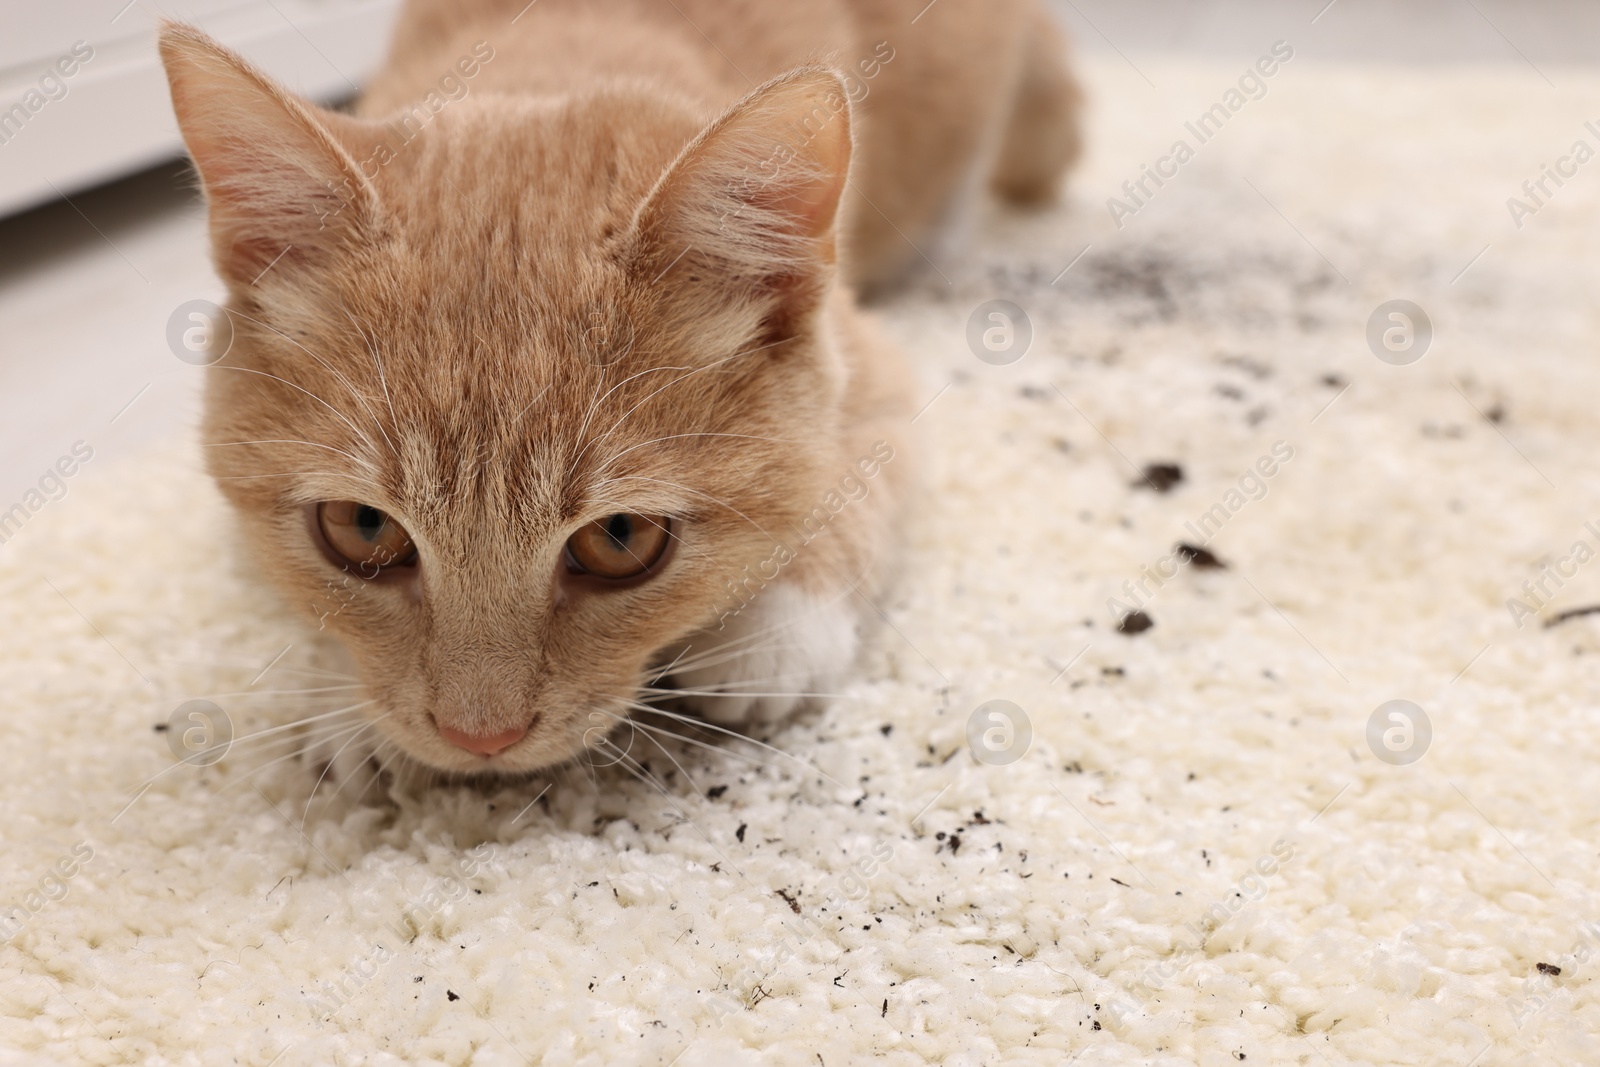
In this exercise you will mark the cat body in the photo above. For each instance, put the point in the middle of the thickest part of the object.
(970, 90)
(547, 378)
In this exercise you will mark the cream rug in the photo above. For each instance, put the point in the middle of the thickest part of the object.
(1196, 857)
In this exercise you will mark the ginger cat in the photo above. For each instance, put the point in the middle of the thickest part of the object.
(548, 392)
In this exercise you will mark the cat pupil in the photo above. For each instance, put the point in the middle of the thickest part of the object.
(369, 520)
(620, 529)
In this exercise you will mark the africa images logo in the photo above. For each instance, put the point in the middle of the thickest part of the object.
(52, 485)
(849, 490)
(1252, 86)
(52, 86)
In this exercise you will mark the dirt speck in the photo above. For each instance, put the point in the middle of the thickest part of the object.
(1134, 622)
(1159, 476)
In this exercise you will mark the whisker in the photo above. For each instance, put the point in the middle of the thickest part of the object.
(681, 769)
(383, 765)
(293, 740)
(728, 691)
(251, 773)
(383, 379)
(721, 750)
(703, 724)
(284, 441)
(295, 752)
(301, 722)
(668, 668)
(594, 407)
(256, 477)
(534, 401)
(193, 760)
(633, 766)
(650, 780)
(629, 505)
(313, 396)
(253, 667)
(761, 640)
(306, 814)
(344, 381)
(724, 651)
(280, 692)
(690, 372)
(677, 436)
(586, 761)
(687, 489)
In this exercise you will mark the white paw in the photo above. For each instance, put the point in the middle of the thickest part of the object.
(784, 650)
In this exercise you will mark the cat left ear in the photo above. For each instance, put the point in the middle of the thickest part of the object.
(281, 187)
(749, 209)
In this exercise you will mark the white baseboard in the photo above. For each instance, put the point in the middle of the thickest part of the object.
(113, 116)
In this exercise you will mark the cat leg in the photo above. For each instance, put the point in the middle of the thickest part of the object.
(1043, 136)
(785, 649)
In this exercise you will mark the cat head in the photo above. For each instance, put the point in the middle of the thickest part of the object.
(512, 395)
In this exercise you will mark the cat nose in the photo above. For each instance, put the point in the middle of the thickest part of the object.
(481, 744)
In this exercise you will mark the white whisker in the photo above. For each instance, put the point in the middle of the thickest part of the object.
(280, 692)
(306, 814)
(301, 722)
(344, 381)
(383, 765)
(690, 372)
(295, 752)
(194, 760)
(722, 750)
(729, 691)
(251, 773)
(695, 492)
(681, 769)
(678, 436)
(703, 724)
(595, 406)
(251, 370)
(383, 379)
(288, 441)
(253, 667)
(762, 640)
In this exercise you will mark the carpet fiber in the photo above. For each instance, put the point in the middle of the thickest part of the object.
(1199, 855)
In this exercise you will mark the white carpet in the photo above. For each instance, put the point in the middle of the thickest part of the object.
(905, 902)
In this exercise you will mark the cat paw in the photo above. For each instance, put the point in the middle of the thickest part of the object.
(785, 650)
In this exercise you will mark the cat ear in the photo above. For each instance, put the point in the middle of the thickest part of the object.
(747, 212)
(281, 188)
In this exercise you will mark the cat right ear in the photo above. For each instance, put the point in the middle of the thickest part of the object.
(281, 188)
(747, 214)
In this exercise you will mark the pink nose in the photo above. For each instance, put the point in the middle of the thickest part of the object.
(490, 745)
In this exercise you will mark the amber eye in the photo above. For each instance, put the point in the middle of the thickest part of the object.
(619, 546)
(364, 537)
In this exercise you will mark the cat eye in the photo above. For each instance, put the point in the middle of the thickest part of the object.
(619, 546)
(364, 537)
